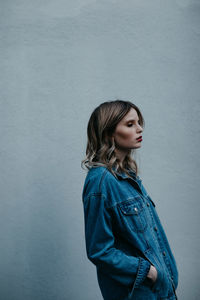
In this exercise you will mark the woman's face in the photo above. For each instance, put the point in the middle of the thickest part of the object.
(127, 132)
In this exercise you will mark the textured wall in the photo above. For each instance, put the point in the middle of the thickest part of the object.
(60, 59)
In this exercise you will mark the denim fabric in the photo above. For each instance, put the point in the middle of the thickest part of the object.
(124, 237)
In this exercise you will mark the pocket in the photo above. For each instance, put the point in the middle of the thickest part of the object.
(133, 213)
(148, 283)
(162, 282)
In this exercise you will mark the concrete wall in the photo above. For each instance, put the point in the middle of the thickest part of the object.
(59, 60)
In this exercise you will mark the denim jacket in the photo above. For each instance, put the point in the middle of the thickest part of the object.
(124, 237)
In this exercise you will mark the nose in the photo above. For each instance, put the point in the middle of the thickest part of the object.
(139, 128)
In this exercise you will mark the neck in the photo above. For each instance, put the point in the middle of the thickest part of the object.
(120, 154)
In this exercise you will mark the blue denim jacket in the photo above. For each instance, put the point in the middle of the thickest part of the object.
(124, 237)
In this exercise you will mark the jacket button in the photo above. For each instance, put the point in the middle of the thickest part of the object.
(164, 253)
(148, 204)
(135, 208)
(155, 228)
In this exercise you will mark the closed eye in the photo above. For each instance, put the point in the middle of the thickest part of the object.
(131, 124)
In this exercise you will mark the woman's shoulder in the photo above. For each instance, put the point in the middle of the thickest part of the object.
(99, 173)
(97, 179)
(96, 171)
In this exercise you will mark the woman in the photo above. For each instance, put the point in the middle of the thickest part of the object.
(123, 233)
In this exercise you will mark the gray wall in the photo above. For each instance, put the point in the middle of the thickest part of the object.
(59, 60)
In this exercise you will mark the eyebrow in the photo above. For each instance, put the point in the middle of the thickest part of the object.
(132, 120)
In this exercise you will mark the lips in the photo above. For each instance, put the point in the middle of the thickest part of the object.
(139, 138)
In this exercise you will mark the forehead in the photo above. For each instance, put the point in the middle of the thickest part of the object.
(131, 115)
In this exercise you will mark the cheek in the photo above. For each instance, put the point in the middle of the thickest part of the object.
(124, 135)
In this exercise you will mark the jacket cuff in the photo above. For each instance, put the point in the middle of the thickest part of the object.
(143, 269)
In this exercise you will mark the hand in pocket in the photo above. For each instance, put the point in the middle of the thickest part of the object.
(152, 273)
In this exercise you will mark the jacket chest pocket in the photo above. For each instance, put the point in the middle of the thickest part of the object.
(133, 213)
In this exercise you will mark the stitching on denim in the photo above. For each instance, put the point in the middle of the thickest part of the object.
(95, 194)
(101, 180)
(116, 204)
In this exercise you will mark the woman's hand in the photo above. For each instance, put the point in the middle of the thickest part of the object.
(152, 273)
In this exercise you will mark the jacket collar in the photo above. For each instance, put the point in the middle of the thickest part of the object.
(134, 180)
(125, 176)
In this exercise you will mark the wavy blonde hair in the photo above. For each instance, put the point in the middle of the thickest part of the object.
(100, 150)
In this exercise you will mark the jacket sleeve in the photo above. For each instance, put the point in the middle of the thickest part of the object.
(125, 269)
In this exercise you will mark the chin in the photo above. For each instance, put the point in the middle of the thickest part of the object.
(136, 147)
